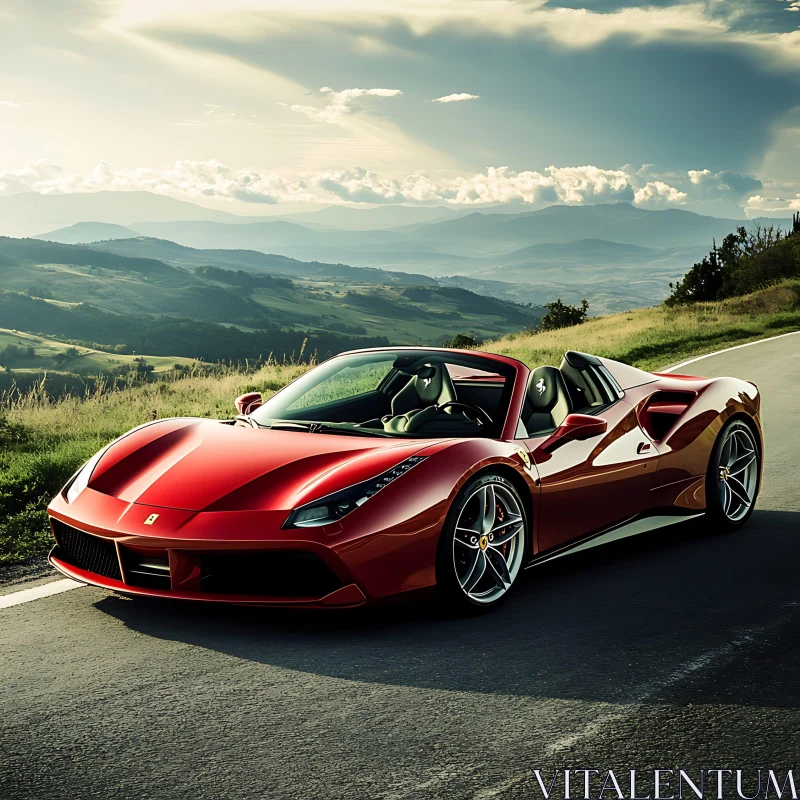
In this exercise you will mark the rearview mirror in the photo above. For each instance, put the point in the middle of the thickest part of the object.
(576, 427)
(248, 403)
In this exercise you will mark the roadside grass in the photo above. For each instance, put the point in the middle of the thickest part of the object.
(652, 338)
(44, 440)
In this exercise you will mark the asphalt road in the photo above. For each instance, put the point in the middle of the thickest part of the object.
(674, 649)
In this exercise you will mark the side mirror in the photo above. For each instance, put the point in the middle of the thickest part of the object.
(248, 403)
(576, 427)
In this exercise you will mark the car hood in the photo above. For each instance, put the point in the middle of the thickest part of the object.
(205, 465)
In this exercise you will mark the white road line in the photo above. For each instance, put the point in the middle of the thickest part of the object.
(728, 349)
(37, 592)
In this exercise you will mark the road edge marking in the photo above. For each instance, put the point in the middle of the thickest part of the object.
(727, 350)
(37, 592)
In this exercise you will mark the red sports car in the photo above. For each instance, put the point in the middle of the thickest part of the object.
(392, 471)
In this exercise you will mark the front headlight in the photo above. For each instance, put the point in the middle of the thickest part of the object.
(81, 478)
(335, 506)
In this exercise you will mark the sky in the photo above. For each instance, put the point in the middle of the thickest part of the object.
(264, 106)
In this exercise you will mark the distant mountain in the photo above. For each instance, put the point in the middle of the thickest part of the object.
(86, 232)
(30, 213)
(269, 236)
(439, 247)
(621, 222)
(368, 219)
(265, 236)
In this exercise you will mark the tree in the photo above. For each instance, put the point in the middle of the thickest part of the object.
(461, 341)
(703, 281)
(561, 315)
(747, 260)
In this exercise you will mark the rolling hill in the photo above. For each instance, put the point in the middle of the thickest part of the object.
(25, 352)
(251, 260)
(95, 295)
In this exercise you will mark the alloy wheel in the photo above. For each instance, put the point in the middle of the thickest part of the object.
(738, 473)
(489, 543)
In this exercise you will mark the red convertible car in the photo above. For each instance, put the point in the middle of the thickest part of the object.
(387, 472)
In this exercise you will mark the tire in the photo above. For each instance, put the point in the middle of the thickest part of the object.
(479, 559)
(732, 479)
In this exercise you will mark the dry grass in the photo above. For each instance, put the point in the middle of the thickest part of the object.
(653, 337)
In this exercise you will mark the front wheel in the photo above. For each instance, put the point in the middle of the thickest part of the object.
(482, 545)
(733, 476)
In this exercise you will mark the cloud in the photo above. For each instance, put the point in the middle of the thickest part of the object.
(577, 185)
(758, 205)
(341, 104)
(724, 183)
(38, 173)
(459, 98)
(9, 104)
(573, 28)
(567, 185)
(657, 194)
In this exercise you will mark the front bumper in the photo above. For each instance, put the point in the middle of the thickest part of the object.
(245, 557)
(343, 597)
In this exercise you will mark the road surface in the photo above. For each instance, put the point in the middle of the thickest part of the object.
(674, 649)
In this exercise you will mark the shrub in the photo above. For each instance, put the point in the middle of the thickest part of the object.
(561, 315)
(461, 341)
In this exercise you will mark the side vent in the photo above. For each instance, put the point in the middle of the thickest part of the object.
(662, 410)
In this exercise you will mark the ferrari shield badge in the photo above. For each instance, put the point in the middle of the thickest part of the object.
(526, 459)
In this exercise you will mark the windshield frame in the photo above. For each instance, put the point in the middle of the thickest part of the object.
(509, 368)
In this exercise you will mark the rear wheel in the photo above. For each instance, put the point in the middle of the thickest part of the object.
(482, 546)
(732, 477)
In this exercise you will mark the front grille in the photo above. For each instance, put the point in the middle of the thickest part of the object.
(90, 553)
(267, 573)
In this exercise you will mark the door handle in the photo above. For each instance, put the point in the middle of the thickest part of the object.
(644, 447)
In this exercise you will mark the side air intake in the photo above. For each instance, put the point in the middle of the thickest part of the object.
(662, 411)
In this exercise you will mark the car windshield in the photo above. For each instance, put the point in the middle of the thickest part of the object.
(401, 393)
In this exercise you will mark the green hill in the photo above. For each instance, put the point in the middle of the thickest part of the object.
(148, 306)
(252, 260)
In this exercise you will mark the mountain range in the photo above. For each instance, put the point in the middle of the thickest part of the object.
(616, 255)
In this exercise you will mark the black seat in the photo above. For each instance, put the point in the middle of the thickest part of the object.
(547, 402)
(429, 386)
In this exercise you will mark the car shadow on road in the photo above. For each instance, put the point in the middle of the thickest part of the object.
(610, 625)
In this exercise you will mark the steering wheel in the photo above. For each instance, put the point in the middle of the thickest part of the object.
(475, 413)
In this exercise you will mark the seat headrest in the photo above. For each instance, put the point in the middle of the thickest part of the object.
(429, 382)
(547, 386)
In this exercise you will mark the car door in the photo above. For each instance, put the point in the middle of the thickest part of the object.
(587, 486)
